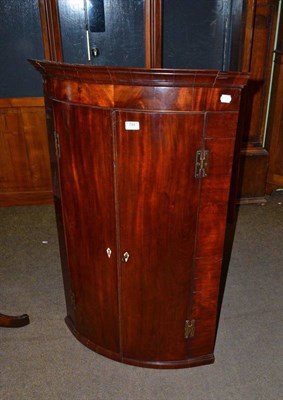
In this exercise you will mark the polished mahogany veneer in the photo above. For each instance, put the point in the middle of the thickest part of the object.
(142, 163)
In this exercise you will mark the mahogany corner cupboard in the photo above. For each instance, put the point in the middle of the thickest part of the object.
(141, 163)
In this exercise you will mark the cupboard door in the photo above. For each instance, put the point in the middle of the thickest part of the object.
(86, 175)
(158, 207)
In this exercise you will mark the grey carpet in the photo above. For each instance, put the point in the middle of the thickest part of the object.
(44, 361)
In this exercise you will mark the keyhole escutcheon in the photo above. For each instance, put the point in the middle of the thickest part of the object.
(125, 257)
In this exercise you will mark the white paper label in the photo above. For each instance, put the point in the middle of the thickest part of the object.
(226, 98)
(132, 126)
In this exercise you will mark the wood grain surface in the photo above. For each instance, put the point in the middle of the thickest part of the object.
(24, 163)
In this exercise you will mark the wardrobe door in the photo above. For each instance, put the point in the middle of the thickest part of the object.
(158, 207)
(86, 178)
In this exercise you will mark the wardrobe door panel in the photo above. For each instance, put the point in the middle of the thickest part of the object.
(115, 34)
(86, 175)
(158, 206)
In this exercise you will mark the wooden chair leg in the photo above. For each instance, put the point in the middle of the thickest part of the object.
(8, 321)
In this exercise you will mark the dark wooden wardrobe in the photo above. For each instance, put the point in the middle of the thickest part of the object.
(142, 163)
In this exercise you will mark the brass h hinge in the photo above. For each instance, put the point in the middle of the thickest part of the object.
(201, 166)
(189, 328)
(57, 144)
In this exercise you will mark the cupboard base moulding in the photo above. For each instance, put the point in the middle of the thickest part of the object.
(191, 362)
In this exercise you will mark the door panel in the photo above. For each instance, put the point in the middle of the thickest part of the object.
(118, 34)
(158, 198)
(122, 42)
(86, 174)
(202, 34)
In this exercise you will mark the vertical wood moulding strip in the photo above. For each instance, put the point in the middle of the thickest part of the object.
(50, 27)
(157, 34)
(44, 29)
(117, 227)
(153, 33)
(248, 35)
(147, 33)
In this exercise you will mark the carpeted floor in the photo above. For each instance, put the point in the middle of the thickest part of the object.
(44, 361)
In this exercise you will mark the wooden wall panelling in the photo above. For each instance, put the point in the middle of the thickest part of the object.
(24, 163)
(258, 48)
(275, 129)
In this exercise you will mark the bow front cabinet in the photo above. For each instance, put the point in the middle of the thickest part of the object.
(142, 163)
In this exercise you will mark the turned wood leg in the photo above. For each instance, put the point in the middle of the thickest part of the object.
(8, 321)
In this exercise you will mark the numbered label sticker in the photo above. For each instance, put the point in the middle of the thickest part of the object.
(132, 126)
(226, 98)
